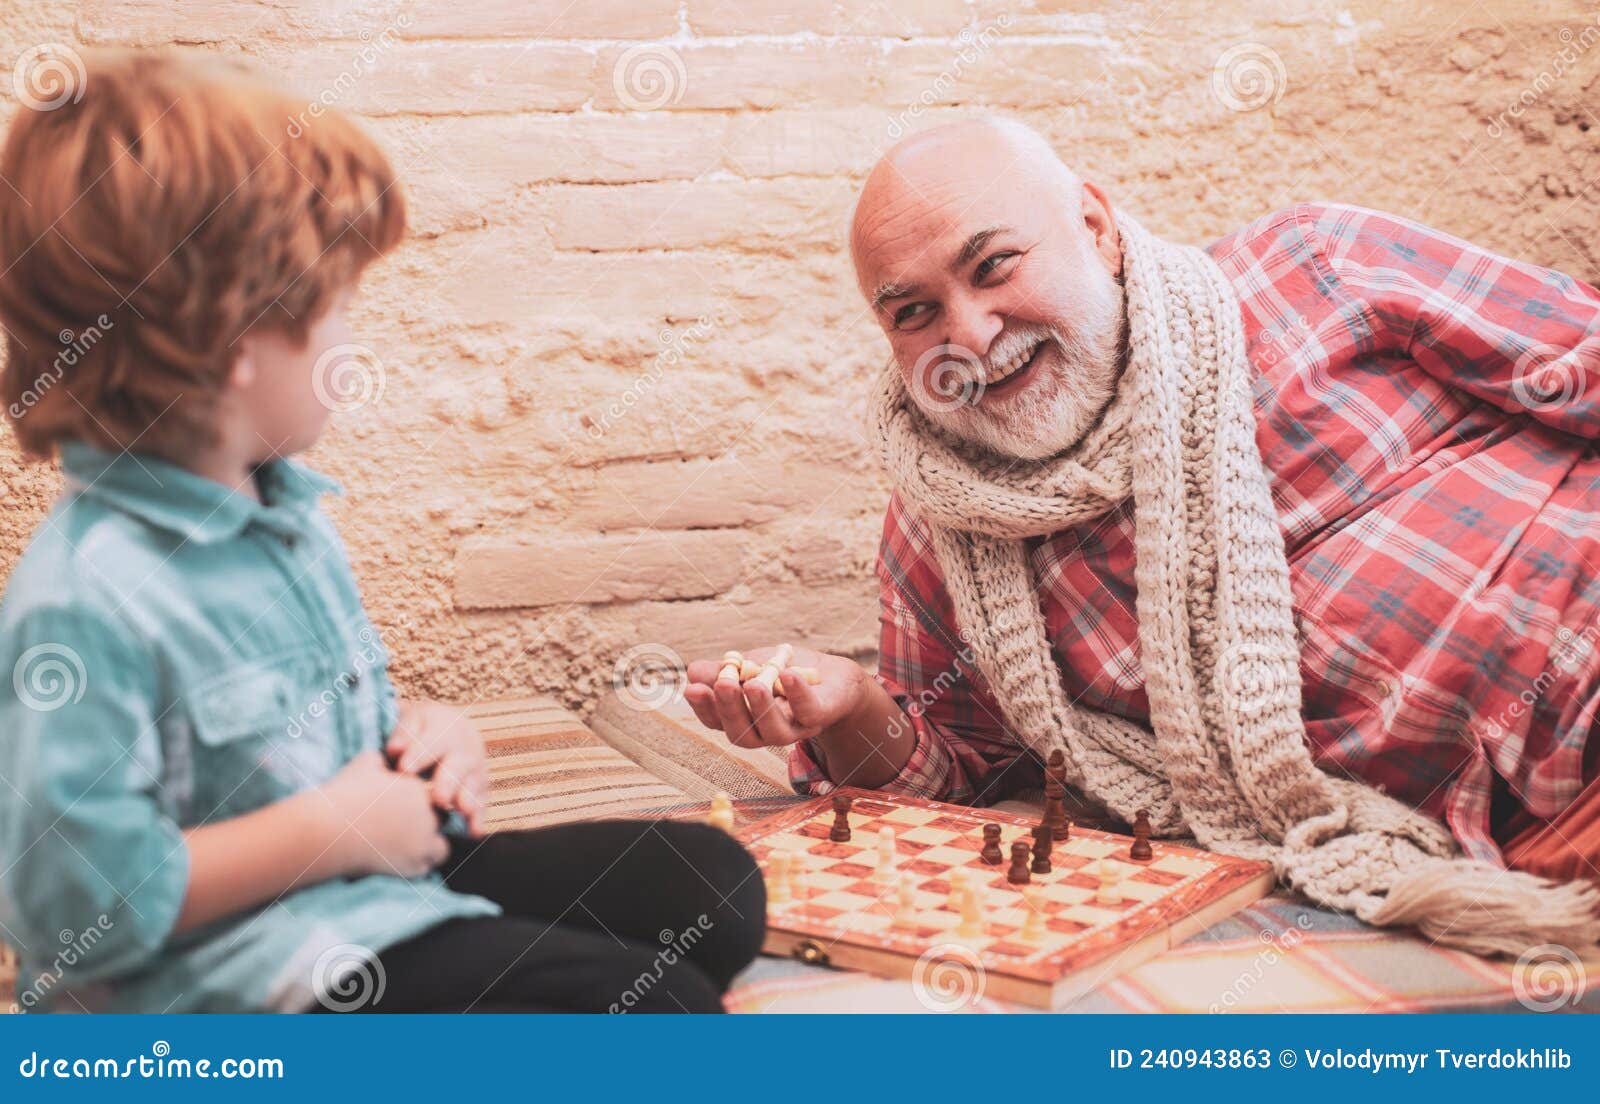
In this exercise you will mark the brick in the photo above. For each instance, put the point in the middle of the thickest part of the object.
(473, 279)
(495, 155)
(731, 490)
(820, 142)
(760, 74)
(838, 617)
(1003, 70)
(141, 23)
(843, 17)
(748, 215)
(435, 78)
(506, 573)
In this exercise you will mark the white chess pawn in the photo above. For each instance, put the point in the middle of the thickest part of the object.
(1109, 876)
(781, 866)
(1033, 922)
(721, 814)
(906, 903)
(885, 852)
(972, 925)
(958, 887)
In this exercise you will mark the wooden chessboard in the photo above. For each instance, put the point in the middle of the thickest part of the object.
(845, 916)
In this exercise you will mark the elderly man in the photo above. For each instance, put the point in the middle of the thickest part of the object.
(1290, 541)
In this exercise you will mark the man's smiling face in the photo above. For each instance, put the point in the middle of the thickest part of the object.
(991, 269)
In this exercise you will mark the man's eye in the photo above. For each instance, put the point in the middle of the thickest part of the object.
(912, 316)
(994, 264)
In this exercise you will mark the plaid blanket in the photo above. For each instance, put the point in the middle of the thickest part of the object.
(1281, 955)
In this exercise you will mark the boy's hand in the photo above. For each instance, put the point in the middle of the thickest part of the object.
(383, 821)
(432, 735)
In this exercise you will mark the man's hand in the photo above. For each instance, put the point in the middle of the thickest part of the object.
(442, 737)
(381, 822)
(751, 715)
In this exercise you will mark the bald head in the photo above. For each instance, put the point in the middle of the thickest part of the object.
(966, 158)
(976, 236)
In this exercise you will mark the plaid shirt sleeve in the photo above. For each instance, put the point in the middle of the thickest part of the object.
(1523, 338)
(962, 751)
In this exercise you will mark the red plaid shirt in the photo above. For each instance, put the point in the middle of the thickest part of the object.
(1440, 504)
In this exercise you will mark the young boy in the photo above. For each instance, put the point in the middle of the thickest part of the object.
(196, 792)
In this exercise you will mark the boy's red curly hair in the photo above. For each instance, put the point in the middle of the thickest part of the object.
(149, 223)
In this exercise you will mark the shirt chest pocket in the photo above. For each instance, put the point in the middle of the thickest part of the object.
(262, 731)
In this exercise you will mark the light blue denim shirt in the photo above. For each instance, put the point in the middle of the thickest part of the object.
(174, 654)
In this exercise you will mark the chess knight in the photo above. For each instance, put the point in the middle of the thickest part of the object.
(1287, 539)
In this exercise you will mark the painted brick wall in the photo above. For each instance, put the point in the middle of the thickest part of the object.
(617, 374)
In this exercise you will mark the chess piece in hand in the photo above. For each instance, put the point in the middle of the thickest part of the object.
(752, 715)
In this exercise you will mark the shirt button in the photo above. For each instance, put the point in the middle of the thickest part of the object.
(289, 541)
(355, 678)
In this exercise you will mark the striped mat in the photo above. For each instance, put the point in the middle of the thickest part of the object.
(546, 767)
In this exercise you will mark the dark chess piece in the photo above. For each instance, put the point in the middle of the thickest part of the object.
(840, 832)
(1055, 793)
(1018, 874)
(1041, 849)
(1141, 851)
(991, 845)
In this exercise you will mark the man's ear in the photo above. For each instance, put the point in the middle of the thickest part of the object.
(1102, 225)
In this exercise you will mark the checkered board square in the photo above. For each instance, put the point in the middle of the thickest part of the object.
(845, 913)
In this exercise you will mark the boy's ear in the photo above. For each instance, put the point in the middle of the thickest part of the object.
(242, 373)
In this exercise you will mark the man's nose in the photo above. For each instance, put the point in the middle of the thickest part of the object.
(972, 327)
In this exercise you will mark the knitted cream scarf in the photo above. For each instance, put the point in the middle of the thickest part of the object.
(1228, 758)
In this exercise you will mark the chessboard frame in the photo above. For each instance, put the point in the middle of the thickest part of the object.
(1045, 980)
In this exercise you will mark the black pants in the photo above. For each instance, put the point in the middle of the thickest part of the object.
(615, 915)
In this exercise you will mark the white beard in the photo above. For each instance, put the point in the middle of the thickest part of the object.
(1055, 409)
